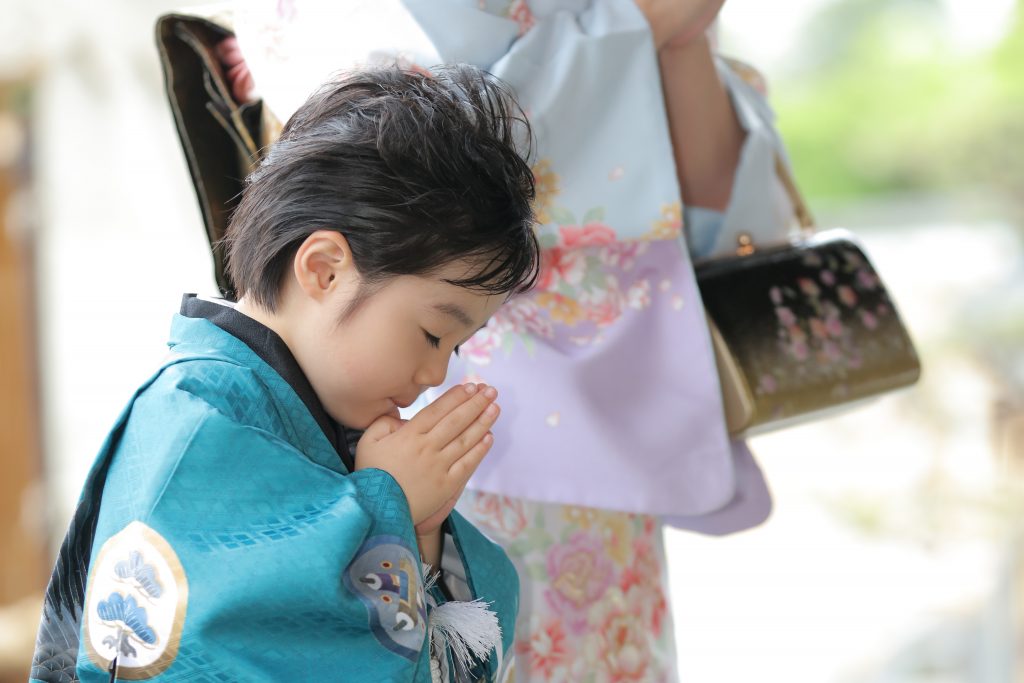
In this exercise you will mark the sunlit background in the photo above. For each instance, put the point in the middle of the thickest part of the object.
(896, 549)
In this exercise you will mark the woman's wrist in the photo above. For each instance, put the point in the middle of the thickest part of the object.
(675, 24)
(691, 50)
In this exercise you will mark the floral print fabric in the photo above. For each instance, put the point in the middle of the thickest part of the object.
(617, 291)
(594, 598)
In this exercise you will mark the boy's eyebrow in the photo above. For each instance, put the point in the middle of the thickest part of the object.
(455, 312)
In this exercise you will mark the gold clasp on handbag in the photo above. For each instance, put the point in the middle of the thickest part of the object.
(744, 244)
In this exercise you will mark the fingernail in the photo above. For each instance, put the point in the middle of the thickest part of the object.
(470, 388)
(490, 392)
(492, 409)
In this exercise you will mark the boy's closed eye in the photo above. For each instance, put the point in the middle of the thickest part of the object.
(436, 342)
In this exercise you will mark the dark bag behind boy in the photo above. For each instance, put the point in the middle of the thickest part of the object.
(221, 138)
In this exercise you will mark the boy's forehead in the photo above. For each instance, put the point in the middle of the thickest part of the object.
(455, 311)
(467, 307)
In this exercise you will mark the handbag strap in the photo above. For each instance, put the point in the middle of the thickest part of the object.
(745, 245)
(803, 214)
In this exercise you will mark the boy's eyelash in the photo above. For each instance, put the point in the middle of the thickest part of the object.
(436, 341)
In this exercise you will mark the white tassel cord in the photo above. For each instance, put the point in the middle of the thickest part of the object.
(430, 577)
(470, 629)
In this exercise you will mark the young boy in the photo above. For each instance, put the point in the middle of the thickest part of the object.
(238, 523)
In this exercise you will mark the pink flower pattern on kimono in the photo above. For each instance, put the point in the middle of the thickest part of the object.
(604, 306)
(501, 514)
(639, 295)
(519, 12)
(589, 235)
(480, 346)
(580, 572)
(641, 581)
(596, 585)
(586, 273)
(622, 255)
(522, 315)
(618, 640)
(546, 651)
(561, 265)
(521, 318)
(587, 280)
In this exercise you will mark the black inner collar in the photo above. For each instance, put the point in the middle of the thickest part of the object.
(266, 344)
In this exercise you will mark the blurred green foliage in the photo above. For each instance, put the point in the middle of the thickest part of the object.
(883, 103)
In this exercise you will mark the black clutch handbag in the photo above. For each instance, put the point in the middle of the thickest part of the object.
(801, 329)
(221, 138)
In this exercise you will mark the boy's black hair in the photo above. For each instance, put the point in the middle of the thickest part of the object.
(415, 170)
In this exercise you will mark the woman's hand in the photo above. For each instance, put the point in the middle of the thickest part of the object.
(433, 455)
(236, 70)
(675, 23)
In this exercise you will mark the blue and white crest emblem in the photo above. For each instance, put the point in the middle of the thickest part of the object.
(136, 602)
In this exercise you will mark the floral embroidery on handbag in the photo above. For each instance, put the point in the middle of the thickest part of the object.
(821, 316)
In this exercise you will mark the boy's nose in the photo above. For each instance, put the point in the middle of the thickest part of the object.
(431, 374)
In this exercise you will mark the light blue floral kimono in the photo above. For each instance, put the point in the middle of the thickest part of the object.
(231, 543)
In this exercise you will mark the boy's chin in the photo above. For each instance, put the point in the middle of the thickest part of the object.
(365, 418)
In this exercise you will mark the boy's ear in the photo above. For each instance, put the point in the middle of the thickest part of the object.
(323, 262)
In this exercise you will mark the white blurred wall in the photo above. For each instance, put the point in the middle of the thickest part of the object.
(118, 231)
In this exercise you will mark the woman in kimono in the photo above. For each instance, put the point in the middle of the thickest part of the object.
(652, 152)
(238, 524)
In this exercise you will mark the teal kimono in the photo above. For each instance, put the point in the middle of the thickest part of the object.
(224, 537)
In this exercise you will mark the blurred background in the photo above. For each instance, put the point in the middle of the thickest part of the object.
(896, 549)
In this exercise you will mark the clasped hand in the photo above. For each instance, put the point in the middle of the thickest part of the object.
(434, 454)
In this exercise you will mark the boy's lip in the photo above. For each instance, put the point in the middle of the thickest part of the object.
(402, 404)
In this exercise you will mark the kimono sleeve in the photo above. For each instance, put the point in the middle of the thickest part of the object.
(750, 506)
(759, 205)
(254, 563)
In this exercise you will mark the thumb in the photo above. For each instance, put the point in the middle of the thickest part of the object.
(382, 427)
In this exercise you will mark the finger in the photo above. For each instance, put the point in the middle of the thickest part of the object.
(427, 419)
(472, 434)
(382, 427)
(464, 467)
(458, 420)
